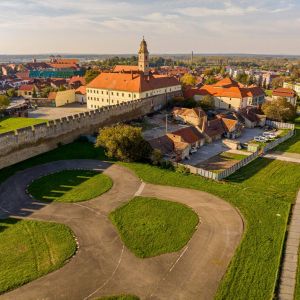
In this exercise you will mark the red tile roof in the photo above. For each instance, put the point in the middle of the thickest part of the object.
(214, 128)
(284, 92)
(132, 82)
(27, 87)
(81, 90)
(77, 79)
(190, 112)
(230, 88)
(125, 68)
(188, 134)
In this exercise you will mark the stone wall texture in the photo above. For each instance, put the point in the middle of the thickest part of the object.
(31, 141)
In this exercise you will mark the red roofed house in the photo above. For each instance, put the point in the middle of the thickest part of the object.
(229, 94)
(118, 87)
(27, 91)
(80, 94)
(289, 94)
(77, 81)
(194, 116)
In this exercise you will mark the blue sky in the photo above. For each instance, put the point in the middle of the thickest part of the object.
(177, 26)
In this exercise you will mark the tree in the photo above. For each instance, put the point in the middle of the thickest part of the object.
(4, 102)
(207, 102)
(243, 78)
(279, 110)
(91, 75)
(11, 92)
(210, 80)
(188, 79)
(124, 142)
(277, 82)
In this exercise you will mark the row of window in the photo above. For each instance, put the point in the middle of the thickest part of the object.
(104, 100)
(112, 93)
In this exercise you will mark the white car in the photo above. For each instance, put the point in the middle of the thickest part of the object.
(259, 139)
(194, 150)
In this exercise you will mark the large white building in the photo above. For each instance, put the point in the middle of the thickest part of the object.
(129, 83)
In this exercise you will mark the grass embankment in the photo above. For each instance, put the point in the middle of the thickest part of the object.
(122, 297)
(30, 249)
(9, 124)
(291, 145)
(70, 186)
(263, 191)
(76, 150)
(150, 226)
(232, 156)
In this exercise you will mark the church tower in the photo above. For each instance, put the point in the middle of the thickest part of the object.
(144, 58)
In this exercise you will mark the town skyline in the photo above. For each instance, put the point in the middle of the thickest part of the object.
(112, 27)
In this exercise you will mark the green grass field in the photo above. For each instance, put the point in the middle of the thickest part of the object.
(232, 156)
(9, 124)
(263, 191)
(30, 249)
(291, 145)
(150, 226)
(122, 297)
(70, 186)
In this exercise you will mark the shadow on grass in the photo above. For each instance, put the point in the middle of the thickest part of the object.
(5, 223)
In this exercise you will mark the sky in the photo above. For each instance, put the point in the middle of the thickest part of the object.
(177, 26)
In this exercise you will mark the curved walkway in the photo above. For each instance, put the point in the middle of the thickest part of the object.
(102, 265)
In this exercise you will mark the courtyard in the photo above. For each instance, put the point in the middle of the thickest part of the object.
(52, 113)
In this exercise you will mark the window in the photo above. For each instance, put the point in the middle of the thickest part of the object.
(102, 92)
(122, 94)
(106, 92)
(129, 95)
(112, 93)
(117, 94)
(134, 96)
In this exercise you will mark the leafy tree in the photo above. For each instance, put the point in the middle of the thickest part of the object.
(11, 93)
(4, 102)
(279, 110)
(277, 82)
(156, 157)
(188, 79)
(207, 102)
(124, 142)
(181, 102)
(243, 78)
(208, 72)
(62, 88)
(34, 94)
(210, 80)
(45, 91)
(91, 75)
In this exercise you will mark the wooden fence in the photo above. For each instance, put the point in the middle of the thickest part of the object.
(280, 125)
(245, 161)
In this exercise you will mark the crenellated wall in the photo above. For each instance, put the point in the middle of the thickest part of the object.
(30, 141)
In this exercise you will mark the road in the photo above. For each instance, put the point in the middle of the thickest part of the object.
(102, 264)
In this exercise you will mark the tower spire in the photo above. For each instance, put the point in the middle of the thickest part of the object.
(144, 57)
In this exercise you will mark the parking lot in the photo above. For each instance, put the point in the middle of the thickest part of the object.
(209, 150)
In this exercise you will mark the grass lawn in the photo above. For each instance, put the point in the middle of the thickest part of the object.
(263, 191)
(232, 156)
(70, 186)
(150, 226)
(30, 249)
(8, 124)
(292, 145)
(121, 297)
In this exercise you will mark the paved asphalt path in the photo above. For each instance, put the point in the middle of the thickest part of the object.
(102, 264)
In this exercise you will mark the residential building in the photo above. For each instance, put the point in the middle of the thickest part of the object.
(27, 91)
(133, 83)
(62, 97)
(229, 94)
(80, 94)
(252, 117)
(213, 130)
(293, 86)
(194, 116)
(289, 94)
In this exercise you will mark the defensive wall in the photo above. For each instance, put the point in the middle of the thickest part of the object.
(19, 145)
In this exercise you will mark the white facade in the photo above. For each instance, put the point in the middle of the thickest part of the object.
(97, 98)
